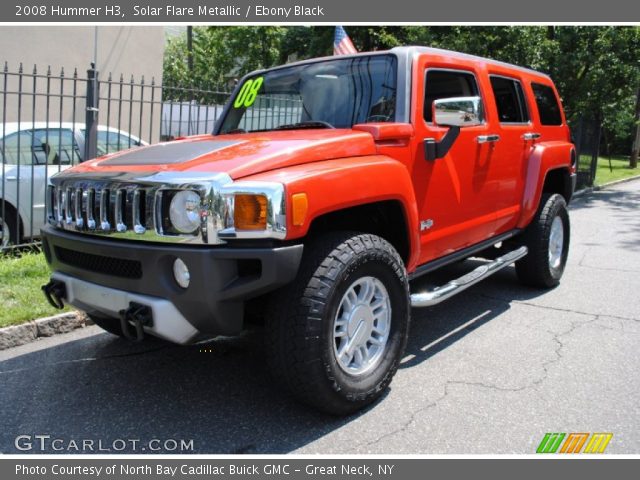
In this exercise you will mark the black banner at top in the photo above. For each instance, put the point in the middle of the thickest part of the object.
(317, 11)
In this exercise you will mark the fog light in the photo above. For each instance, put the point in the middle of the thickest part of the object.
(181, 273)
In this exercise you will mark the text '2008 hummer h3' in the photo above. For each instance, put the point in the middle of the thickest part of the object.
(327, 186)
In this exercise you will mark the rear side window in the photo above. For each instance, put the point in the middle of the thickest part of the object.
(55, 146)
(446, 84)
(510, 101)
(547, 103)
(16, 148)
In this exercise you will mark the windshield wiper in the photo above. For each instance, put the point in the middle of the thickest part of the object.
(308, 124)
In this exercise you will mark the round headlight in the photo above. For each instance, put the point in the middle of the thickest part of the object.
(181, 273)
(184, 211)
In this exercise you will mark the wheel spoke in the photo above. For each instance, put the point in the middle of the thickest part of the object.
(357, 358)
(352, 298)
(346, 357)
(340, 333)
(341, 322)
(346, 305)
(365, 353)
(363, 293)
(381, 313)
(377, 303)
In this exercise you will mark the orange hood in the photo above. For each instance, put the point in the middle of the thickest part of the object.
(238, 155)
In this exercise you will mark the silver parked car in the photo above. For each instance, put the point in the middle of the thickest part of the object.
(33, 152)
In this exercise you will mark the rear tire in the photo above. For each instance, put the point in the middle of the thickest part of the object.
(8, 231)
(547, 238)
(108, 324)
(336, 335)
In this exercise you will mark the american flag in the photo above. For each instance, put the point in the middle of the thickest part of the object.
(342, 43)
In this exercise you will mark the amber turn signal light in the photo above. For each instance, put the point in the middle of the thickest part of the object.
(300, 204)
(250, 212)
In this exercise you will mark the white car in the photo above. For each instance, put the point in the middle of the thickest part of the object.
(33, 152)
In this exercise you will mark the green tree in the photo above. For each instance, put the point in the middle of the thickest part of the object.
(596, 68)
(220, 55)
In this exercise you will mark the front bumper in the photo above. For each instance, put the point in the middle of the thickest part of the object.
(103, 275)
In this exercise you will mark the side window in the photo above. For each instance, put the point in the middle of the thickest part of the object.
(547, 103)
(512, 107)
(447, 84)
(17, 148)
(58, 147)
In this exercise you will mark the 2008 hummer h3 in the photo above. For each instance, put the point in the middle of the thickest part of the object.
(327, 186)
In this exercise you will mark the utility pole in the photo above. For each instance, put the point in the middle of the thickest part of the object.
(190, 49)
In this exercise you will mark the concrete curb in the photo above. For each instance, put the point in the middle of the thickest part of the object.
(16, 335)
(587, 190)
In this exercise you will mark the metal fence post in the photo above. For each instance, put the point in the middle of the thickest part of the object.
(91, 122)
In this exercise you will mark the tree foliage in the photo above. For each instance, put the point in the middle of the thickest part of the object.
(596, 68)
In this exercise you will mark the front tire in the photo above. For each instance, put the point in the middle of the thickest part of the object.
(336, 335)
(547, 238)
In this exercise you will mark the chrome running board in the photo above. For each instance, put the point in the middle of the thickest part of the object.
(440, 294)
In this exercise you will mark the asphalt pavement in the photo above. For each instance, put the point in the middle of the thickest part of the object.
(490, 371)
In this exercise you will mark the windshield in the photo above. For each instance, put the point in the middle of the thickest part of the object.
(333, 93)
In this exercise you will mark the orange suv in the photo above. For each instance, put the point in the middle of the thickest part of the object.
(327, 187)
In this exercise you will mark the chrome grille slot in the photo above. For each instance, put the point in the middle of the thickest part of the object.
(77, 205)
(60, 205)
(138, 211)
(105, 204)
(157, 209)
(91, 208)
(68, 206)
(120, 209)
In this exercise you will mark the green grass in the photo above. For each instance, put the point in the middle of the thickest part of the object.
(20, 296)
(620, 167)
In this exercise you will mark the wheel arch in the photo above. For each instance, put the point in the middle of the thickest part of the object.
(549, 170)
(386, 219)
(558, 180)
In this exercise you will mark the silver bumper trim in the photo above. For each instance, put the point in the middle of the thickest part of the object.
(168, 322)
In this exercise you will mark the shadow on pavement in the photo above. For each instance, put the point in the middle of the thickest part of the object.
(219, 394)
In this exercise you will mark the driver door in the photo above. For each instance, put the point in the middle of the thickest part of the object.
(454, 193)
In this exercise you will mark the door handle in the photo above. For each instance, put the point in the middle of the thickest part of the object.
(531, 136)
(487, 138)
(11, 178)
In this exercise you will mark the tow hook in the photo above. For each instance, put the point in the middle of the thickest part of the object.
(55, 292)
(138, 315)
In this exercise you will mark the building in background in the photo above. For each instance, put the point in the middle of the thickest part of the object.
(127, 51)
(123, 50)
